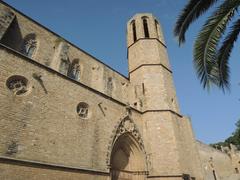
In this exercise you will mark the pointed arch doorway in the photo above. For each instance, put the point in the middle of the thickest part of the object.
(127, 159)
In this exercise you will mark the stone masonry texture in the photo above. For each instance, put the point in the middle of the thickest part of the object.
(65, 115)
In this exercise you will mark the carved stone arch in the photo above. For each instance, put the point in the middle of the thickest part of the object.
(126, 126)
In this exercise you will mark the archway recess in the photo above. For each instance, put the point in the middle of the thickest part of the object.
(128, 161)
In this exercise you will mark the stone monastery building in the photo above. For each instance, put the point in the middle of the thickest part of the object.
(64, 115)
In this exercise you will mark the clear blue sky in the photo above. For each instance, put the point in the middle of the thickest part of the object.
(99, 27)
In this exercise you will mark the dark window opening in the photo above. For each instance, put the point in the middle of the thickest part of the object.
(13, 37)
(134, 31)
(186, 177)
(143, 88)
(145, 27)
(237, 170)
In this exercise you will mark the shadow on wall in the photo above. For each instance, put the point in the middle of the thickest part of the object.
(13, 37)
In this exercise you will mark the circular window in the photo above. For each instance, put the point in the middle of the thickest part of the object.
(83, 110)
(17, 84)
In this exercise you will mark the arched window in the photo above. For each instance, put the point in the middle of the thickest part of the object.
(74, 71)
(145, 27)
(64, 66)
(134, 31)
(156, 26)
(29, 45)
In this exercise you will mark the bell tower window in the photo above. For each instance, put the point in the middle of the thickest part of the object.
(145, 27)
(134, 31)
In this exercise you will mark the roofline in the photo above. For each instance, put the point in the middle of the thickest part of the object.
(49, 30)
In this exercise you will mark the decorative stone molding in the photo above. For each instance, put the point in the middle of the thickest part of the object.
(31, 43)
(83, 110)
(125, 125)
(128, 126)
(17, 84)
(128, 110)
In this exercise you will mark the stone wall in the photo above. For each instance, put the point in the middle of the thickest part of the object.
(54, 126)
(43, 124)
(93, 73)
(188, 151)
(6, 18)
(16, 170)
(216, 162)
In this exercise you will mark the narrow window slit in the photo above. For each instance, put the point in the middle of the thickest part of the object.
(134, 31)
(145, 27)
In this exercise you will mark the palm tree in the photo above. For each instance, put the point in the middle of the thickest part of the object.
(212, 48)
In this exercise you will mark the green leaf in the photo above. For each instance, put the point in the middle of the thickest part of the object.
(189, 14)
(205, 48)
(224, 54)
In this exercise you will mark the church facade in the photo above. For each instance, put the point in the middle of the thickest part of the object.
(65, 115)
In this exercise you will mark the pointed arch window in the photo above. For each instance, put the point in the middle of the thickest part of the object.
(134, 31)
(145, 27)
(74, 71)
(29, 45)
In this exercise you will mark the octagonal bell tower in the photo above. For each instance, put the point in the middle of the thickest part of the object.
(149, 67)
(167, 135)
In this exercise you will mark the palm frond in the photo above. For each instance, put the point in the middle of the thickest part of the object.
(190, 13)
(205, 48)
(224, 54)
